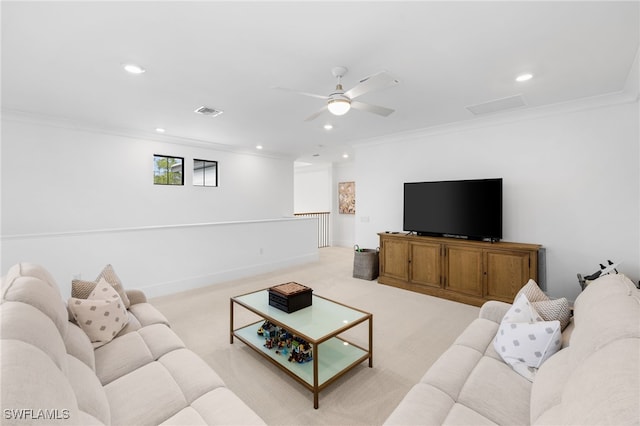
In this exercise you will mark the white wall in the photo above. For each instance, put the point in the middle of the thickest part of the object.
(88, 197)
(343, 224)
(57, 179)
(166, 259)
(571, 183)
(312, 189)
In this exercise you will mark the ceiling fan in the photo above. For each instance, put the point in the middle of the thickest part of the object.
(339, 102)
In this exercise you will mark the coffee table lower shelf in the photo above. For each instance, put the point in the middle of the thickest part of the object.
(334, 357)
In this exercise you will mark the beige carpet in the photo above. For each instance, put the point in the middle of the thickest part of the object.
(410, 331)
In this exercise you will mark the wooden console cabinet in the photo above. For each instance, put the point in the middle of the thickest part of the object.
(462, 270)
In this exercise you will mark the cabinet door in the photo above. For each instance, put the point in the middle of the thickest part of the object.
(507, 272)
(464, 270)
(395, 259)
(424, 264)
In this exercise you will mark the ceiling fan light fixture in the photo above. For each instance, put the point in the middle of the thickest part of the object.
(339, 105)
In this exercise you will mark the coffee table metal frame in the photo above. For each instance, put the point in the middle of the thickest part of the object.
(320, 325)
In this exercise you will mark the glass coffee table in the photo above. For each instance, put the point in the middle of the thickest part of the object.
(320, 325)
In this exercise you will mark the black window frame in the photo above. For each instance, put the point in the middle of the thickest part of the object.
(167, 182)
(205, 166)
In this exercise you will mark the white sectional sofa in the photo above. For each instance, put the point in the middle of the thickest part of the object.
(593, 380)
(145, 376)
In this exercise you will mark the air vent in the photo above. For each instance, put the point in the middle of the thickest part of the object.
(497, 105)
(212, 112)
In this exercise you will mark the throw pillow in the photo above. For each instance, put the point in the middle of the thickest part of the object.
(82, 289)
(557, 309)
(532, 291)
(102, 315)
(524, 340)
(521, 311)
(549, 309)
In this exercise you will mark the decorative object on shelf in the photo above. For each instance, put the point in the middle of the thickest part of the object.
(290, 297)
(347, 198)
(366, 263)
(611, 268)
(285, 343)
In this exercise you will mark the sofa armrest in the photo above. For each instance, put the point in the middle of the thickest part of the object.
(494, 310)
(136, 296)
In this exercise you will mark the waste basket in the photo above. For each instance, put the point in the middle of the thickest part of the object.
(365, 263)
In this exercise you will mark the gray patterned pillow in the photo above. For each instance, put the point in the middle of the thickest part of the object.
(82, 289)
(101, 315)
(532, 291)
(549, 309)
(556, 309)
(524, 341)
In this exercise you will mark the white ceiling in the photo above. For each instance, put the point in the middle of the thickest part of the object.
(64, 59)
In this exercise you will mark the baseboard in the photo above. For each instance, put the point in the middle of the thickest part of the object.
(193, 282)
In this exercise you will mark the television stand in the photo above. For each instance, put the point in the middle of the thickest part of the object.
(463, 270)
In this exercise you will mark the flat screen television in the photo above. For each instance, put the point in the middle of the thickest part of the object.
(457, 208)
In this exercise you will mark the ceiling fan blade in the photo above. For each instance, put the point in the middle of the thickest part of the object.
(316, 114)
(371, 108)
(377, 81)
(313, 95)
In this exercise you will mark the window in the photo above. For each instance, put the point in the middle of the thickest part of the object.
(168, 170)
(205, 173)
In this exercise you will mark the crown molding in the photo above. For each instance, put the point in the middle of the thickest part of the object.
(32, 118)
(507, 117)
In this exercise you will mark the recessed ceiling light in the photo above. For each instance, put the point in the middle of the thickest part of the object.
(345, 155)
(133, 68)
(159, 130)
(258, 146)
(328, 126)
(524, 77)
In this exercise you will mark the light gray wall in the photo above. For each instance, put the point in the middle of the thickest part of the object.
(75, 199)
(343, 224)
(571, 182)
(60, 178)
(312, 189)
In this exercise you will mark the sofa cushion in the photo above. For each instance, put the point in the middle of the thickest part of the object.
(148, 314)
(31, 382)
(218, 407)
(450, 371)
(191, 373)
(222, 407)
(478, 335)
(186, 416)
(462, 415)
(546, 391)
(146, 396)
(607, 310)
(42, 294)
(495, 392)
(122, 355)
(90, 395)
(160, 339)
(423, 405)
(21, 321)
(604, 389)
(78, 344)
(102, 315)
